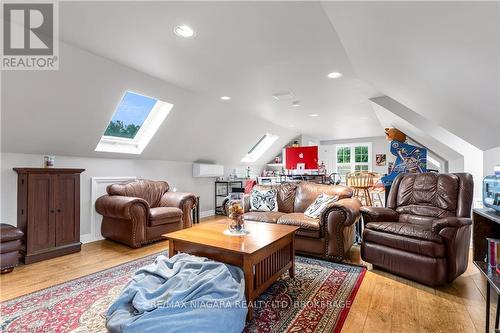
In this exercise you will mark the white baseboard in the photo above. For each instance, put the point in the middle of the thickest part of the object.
(207, 213)
(89, 238)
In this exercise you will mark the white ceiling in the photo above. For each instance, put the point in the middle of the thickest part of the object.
(245, 50)
(65, 112)
(440, 60)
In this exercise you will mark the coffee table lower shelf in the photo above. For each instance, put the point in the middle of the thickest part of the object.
(260, 268)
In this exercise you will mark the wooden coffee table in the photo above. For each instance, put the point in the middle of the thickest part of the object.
(264, 254)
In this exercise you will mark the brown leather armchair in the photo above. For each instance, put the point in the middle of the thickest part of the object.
(424, 233)
(329, 237)
(11, 242)
(141, 211)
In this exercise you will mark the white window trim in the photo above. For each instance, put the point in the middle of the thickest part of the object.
(353, 164)
(260, 148)
(153, 121)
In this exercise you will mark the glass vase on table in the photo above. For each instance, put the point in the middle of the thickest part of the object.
(236, 209)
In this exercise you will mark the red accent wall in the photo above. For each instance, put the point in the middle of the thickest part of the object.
(307, 155)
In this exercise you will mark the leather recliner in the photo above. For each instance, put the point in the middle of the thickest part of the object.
(10, 244)
(424, 233)
(141, 211)
(329, 237)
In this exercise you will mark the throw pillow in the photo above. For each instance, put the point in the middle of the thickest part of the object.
(322, 202)
(264, 200)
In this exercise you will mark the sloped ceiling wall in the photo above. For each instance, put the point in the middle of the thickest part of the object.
(384, 107)
(440, 59)
(65, 112)
(248, 50)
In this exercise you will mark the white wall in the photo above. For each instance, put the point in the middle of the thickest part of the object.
(491, 158)
(380, 145)
(177, 174)
(307, 140)
(456, 165)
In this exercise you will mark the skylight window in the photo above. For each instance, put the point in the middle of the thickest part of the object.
(135, 121)
(260, 148)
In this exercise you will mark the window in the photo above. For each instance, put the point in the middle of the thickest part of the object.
(353, 158)
(135, 121)
(344, 155)
(260, 148)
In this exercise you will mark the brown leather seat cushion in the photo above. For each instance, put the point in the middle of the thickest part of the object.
(164, 215)
(309, 227)
(9, 233)
(267, 217)
(411, 230)
(424, 211)
(419, 246)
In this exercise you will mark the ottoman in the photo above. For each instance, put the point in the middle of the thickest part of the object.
(10, 244)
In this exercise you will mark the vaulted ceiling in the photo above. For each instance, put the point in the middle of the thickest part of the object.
(440, 59)
(433, 58)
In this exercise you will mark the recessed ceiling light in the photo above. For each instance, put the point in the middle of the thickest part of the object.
(335, 75)
(314, 115)
(225, 98)
(296, 104)
(184, 31)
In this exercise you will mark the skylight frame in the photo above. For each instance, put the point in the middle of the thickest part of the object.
(136, 145)
(264, 143)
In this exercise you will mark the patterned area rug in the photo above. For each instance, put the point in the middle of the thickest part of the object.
(317, 300)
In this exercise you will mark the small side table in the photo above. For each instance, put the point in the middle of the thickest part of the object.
(196, 211)
(492, 280)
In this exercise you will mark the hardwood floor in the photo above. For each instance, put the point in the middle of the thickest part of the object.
(384, 303)
(388, 303)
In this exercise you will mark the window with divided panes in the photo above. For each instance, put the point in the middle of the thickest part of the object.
(352, 158)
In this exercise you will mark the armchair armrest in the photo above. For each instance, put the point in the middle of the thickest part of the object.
(349, 207)
(178, 199)
(185, 201)
(456, 234)
(450, 222)
(378, 214)
(117, 206)
(337, 223)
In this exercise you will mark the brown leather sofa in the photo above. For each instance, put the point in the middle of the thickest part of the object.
(329, 237)
(10, 245)
(141, 211)
(424, 233)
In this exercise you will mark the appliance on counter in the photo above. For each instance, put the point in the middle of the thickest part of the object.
(491, 192)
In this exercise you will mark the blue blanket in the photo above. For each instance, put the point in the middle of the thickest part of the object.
(181, 294)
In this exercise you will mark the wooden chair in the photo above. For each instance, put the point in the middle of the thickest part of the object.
(361, 182)
(377, 190)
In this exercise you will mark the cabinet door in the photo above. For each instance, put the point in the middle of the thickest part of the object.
(67, 204)
(41, 216)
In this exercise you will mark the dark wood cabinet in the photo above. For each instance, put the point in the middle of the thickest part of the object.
(48, 212)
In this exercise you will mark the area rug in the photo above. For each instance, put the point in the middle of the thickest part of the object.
(317, 300)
